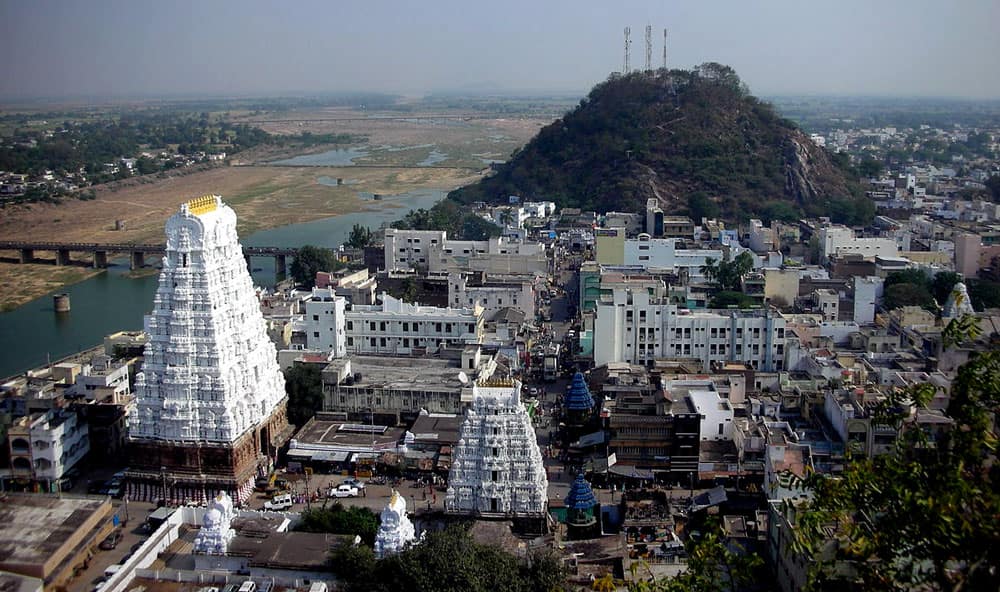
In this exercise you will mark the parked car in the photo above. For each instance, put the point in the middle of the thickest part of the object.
(344, 491)
(111, 541)
(279, 503)
(355, 483)
(535, 391)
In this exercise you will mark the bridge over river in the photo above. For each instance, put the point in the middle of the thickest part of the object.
(137, 252)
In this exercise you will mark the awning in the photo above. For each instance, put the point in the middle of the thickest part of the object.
(630, 471)
(330, 456)
(589, 440)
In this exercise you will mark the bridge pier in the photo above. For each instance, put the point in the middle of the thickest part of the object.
(62, 257)
(138, 260)
(100, 259)
(280, 265)
(27, 255)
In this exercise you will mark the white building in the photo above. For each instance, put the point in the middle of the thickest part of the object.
(325, 322)
(664, 253)
(716, 412)
(44, 446)
(867, 290)
(434, 251)
(210, 371)
(496, 468)
(391, 327)
(400, 328)
(840, 240)
(493, 293)
(634, 328)
(102, 379)
(827, 303)
(514, 216)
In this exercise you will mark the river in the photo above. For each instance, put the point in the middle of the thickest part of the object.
(113, 301)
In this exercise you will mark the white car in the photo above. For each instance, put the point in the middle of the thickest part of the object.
(356, 483)
(279, 503)
(344, 491)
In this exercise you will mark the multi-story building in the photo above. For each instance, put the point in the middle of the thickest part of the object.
(867, 291)
(210, 400)
(493, 292)
(391, 327)
(395, 389)
(651, 428)
(634, 327)
(781, 286)
(840, 240)
(325, 322)
(400, 328)
(433, 251)
(662, 253)
(598, 282)
(44, 446)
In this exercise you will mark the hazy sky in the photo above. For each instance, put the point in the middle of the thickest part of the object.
(874, 47)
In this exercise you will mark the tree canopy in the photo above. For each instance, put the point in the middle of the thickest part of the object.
(304, 386)
(310, 259)
(338, 519)
(728, 274)
(448, 561)
(361, 237)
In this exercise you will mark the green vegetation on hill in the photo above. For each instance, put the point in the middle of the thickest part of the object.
(674, 135)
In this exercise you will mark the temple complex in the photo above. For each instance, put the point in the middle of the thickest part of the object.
(497, 469)
(210, 400)
(395, 531)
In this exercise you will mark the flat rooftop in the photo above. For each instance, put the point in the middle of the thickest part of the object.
(437, 427)
(34, 527)
(404, 373)
(347, 435)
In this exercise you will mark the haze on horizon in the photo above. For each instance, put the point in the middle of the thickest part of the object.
(109, 48)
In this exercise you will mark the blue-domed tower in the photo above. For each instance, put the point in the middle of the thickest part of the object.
(580, 504)
(578, 402)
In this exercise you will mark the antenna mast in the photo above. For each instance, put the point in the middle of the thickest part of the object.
(628, 45)
(649, 47)
(664, 49)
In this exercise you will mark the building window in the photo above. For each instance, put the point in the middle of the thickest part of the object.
(315, 333)
(350, 325)
(315, 317)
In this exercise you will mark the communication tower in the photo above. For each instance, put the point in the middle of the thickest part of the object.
(664, 49)
(649, 47)
(628, 47)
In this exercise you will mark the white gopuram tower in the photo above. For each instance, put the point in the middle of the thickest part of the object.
(497, 469)
(395, 531)
(210, 405)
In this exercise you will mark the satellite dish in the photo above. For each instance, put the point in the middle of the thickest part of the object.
(463, 378)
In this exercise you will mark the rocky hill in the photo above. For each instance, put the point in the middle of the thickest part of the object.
(694, 139)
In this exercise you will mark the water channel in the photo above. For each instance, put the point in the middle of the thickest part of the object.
(114, 301)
